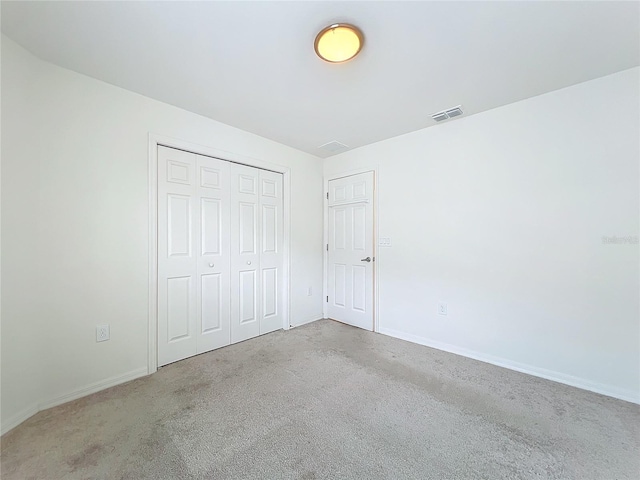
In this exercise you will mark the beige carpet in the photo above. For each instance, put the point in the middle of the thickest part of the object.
(330, 401)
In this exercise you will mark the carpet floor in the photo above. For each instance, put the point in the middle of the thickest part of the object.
(330, 401)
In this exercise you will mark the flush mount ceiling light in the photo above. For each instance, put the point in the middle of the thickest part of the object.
(338, 43)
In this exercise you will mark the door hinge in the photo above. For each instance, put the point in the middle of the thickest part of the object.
(327, 247)
(327, 298)
(327, 195)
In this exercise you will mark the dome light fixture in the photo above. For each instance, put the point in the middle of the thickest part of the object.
(338, 43)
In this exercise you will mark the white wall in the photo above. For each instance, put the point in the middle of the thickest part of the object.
(501, 215)
(20, 344)
(74, 158)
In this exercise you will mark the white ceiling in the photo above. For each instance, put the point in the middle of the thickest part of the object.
(252, 64)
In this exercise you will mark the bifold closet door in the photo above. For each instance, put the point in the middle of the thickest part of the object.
(193, 254)
(271, 257)
(220, 259)
(256, 252)
(245, 256)
(214, 267)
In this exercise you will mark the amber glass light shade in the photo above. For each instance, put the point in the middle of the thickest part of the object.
(338, 43)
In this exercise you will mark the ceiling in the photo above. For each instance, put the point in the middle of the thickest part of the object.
(252, 64)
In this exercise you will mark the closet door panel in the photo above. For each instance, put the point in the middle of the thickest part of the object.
(246, 282)
(220, 260)
(177, 258)
(214, 254)
(271, 257)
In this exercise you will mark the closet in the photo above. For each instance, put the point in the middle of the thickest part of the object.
(220, 260)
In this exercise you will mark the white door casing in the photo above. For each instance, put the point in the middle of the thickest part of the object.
(350, 256)
(218, 222)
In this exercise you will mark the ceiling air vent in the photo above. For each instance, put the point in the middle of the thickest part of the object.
(333, 147)
(446, 114)
(454, 112)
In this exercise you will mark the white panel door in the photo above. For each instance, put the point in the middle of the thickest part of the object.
(245, 253)
(178, 231)
(220, 259)
(213, 256)
(350, 251)
(193, 254)
(271, 257)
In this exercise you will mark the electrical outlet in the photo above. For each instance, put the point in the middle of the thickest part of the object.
(384, 241)
(442, 308)
(309, 291)
(102, 333)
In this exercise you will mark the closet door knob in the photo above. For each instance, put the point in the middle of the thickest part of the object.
(248, 263)
(211, 265)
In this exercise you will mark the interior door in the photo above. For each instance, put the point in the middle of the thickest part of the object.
(350, 250)
(193, 254)
(271, 256)
(245, 253)
(213, 260)
(220, 258)
(177, 259)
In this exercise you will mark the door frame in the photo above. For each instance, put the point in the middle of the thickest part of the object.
(325, 238)
(161, 140)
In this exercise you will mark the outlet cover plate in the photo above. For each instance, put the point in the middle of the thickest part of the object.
(102, 333)
(442, 308)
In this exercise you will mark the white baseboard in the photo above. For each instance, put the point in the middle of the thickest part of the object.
(608, 390)
(93, 388)
(15, 420)
(20, 417)
(304, 321)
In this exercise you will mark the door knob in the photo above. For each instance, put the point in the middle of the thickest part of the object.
(368, 259)
(248, 263)
(211, 265)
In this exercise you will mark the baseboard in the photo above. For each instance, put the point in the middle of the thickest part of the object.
(20, 417)
(93, 388)
(310, 319)
(608, 390)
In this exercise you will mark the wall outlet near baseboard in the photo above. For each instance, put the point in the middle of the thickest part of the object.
(102, 333)
(442, 308)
